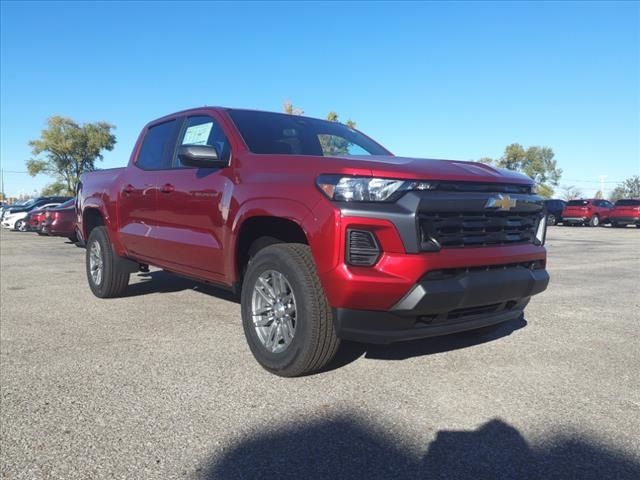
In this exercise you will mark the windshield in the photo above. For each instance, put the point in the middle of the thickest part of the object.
(578, 203)
(628, 203)
(278, 133)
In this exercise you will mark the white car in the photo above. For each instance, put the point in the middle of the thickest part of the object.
(16, 221)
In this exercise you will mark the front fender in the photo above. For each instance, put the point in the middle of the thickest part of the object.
(293, 210)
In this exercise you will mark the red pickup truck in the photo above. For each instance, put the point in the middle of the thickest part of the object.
(322, 231)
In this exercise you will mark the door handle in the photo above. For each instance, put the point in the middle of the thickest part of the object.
(167, 188)
(128, 189)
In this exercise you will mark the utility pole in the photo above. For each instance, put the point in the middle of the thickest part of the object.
(602, 177)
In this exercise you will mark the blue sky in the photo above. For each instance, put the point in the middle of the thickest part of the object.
(437, 80)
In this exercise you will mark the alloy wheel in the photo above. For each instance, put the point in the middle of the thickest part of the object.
(273, 310)
(96, 264)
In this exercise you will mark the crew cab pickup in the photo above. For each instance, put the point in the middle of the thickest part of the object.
(323, 233)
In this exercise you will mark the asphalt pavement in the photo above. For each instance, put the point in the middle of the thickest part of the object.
(162, 385)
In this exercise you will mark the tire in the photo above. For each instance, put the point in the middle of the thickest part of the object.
(551, 219)
(595, 221)
(20, 226)
(312, 343)
(114, 277)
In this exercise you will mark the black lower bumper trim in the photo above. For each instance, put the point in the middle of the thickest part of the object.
(463, 301)
(384, 327)
(472, 289)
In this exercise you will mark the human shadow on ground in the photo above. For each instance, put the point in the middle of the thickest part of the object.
(346, 448)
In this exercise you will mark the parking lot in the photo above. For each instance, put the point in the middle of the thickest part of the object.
(161, 384)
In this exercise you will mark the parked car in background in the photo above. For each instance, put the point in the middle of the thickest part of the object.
(593, 212)
(30, 205)
(61, 221)
(35, 218)
(18, 220)
(626, 212)
(554, 210)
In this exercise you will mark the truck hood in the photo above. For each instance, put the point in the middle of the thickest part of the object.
(428, 169)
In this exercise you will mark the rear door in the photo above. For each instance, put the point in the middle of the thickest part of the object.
(139, 190)
(193, 204)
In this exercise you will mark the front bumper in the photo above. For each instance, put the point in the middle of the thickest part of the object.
(440, 306)
(575, 219)
(626, 220)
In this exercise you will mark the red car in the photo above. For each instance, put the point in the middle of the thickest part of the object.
(626, 212)
(323, 232)
(593, 212)
(61, 221)
(35, 218)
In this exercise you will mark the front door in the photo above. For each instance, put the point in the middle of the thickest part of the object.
(193, 206)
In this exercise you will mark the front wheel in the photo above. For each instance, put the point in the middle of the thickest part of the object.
(106, 275)
(595, 221)
(21, 226)
(287, 320)
(551, 219)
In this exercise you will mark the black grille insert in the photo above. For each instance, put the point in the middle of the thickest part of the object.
(476, 229)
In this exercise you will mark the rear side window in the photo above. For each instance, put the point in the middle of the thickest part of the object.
(157, 147)
(628, 203)
(577, 203)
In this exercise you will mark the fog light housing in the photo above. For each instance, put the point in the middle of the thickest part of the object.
(363, 249)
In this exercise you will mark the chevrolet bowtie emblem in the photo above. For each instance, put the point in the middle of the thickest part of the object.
(501, 202)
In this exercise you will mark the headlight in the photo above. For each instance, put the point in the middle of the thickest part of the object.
(541, 231)
(366, 189)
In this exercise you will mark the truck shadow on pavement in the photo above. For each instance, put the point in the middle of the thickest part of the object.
(159, 281)
(351, 351)
(346, 448)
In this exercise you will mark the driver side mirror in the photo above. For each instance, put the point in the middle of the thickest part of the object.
(201, 156)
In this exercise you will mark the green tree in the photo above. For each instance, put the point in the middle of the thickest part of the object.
(55, 188)
(65, 150)
(288, 107)
(570, 192)
(536, 162)
(630, 188)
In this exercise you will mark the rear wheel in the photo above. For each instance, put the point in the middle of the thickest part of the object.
(551, 219)
(106, 275)
(286, 317)
(595, 221)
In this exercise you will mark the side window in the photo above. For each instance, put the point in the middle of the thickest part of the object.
(157, 147)
(204, 130)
